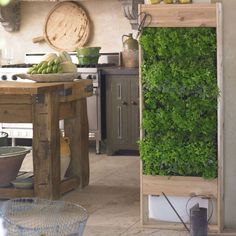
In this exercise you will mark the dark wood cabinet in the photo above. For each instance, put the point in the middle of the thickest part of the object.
(122, 112)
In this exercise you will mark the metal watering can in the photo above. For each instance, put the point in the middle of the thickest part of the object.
(198, 219)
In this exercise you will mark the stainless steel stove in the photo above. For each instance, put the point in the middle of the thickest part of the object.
(93, 72)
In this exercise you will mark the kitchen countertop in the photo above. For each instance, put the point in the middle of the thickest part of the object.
(119, 71)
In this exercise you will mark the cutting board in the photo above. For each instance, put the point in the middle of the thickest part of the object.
(66, 27)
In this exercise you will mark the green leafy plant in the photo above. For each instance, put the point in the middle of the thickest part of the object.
(180, 102)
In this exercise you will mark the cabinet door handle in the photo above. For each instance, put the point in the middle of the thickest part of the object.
(124, 103)
(133, 103)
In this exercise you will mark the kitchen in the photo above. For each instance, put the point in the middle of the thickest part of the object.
(113, 26)
(109, 50)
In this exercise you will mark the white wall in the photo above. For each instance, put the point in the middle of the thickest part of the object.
(108, 25)
(229, 64)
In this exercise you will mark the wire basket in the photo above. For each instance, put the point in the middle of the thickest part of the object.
(41, 217)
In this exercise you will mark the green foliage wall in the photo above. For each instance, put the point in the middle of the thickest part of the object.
(180, 102)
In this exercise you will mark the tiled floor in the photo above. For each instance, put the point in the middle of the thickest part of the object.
(112, 197)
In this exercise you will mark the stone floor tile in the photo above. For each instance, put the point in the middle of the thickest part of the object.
(102, 231)
(139, 231)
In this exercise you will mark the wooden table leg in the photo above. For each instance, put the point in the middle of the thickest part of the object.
(46, 143)
(77, 130)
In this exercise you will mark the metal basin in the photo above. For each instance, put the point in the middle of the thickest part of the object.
(11, 159)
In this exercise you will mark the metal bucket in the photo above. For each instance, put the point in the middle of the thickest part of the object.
(3, 138)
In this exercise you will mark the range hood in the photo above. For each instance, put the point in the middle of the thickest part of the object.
(10, 16)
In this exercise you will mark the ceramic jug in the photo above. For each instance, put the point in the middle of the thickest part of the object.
(130, 53)
(65, 154)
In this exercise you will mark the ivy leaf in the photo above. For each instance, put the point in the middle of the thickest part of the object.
(180, 101)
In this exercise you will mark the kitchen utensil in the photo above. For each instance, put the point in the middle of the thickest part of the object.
(66, 27)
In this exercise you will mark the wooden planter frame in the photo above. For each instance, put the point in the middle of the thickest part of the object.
(186, 15)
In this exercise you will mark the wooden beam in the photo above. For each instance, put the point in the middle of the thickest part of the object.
(69, 184)
(180, 15)
(213, 228)
(46, 147)
(6, 193)
(15, 99)
(15, 113)
(220, 118)
(76, 130)
(67, 110)
(179, 186)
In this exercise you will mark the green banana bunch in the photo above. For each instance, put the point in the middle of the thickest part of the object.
(46, 67)
(51, 63)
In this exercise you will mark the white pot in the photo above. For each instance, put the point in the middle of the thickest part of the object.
(65, 155)
(65, 162)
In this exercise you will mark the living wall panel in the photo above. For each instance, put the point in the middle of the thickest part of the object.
(206, 62)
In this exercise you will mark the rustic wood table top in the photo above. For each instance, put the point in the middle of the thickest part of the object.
(43, 105)
(9, 87)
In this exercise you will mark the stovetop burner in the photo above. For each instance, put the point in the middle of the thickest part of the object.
(100, 65)
(21, 65)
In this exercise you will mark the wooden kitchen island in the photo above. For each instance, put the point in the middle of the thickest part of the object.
(43, 105)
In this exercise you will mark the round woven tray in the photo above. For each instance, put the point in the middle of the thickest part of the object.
(66, 27)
